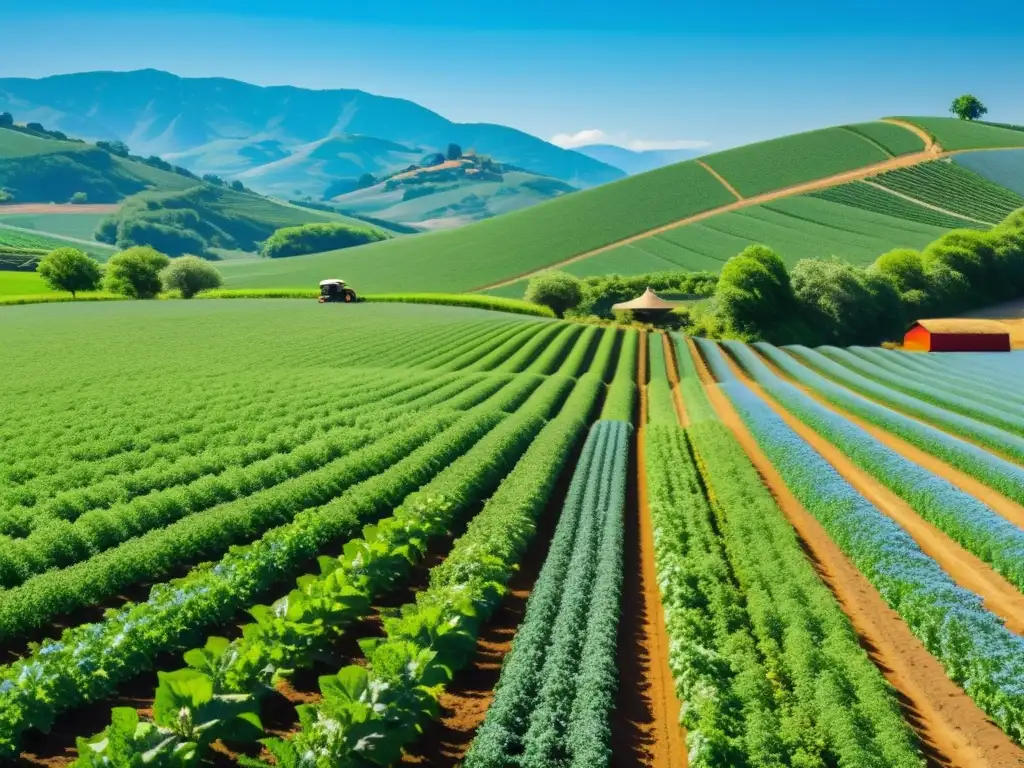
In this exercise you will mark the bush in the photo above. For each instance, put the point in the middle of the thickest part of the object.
(315, 238)
(190, 275)
(754, 298)
(79, 198)
(838, 301)
(559, 291)
(164, 237)
(6, 197)
(69, 269)
(904, 267)
(135, 272)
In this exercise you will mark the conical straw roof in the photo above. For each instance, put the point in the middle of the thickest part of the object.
(649, 300)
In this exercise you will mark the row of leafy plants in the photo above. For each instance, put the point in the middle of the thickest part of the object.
(370, 711)
(976, 649)
(553, 702)
(302, 626)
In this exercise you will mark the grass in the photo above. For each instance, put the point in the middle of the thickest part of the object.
(861, 195)
(499, 248)
(22, 284)
(949, 186)
(1005, 168)
(19, 238)
(15, 144)
(77, 225)
(791, 160)
(954, 134)
(894, 139)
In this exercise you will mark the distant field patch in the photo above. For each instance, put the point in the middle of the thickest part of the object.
(791, 160)
(954, 134)
(22, 284)
(859, 194)
(1005, 168)
(894, 139)
(77, 225)
(22, 238)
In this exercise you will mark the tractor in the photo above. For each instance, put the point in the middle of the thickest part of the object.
(335, 290)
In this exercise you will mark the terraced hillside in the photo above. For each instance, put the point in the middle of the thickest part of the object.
(692, 215)
(261, 534)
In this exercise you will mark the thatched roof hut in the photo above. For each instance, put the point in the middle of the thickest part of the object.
(648, 302)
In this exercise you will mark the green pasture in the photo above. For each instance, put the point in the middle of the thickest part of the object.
(21, 238)
(893, 139)
(77, 225)
(955, 134)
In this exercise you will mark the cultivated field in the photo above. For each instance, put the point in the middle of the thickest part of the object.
(371, 534)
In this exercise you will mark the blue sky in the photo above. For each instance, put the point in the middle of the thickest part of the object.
(639, 73)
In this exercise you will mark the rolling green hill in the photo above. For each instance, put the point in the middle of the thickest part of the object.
(564, 230)
(954, 134)
(1005, 168)
(27, 238)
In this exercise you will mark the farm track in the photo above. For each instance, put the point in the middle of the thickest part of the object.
(646, 728)
(38, 208)
(673, 380)
(999, 503)
(931, 152)
(923, 204)
(953, 731)
(967, 570)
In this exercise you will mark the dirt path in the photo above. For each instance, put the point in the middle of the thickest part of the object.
(673, 378)
(996, 501)
(953, 731)
(930, 145)
(720, 178)
(923, 204)
(645, 724)
(970, 572)
(37, 208)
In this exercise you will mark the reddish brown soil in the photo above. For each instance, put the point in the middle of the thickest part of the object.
(34, 208)
(952, 729)
(673, 377)
(1006, 507)
(645, 724)
(970, 572)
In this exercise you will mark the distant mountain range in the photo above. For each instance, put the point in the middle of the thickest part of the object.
(231, 128)
(633, 161)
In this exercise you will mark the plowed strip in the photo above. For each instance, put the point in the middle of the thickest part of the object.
(646, 729)
(953, 731)
(970, 572)
(1008, 508)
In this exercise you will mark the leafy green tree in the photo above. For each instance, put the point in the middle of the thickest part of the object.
(967, 251)
(79, 198)
(135, 272)
(6, 119)
(190, 275)
(212, 178)
(118, 148)
(558, 290)
(968, 107)
(71, 270)
(904, 267)
(237, 186)
(454, 152)
(754, 297)
(6, 196)
(315, 238)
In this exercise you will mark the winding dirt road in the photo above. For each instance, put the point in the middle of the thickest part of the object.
(954, 732)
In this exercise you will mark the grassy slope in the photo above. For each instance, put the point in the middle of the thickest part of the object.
(518, 242)
(78, 225)
(21, 284)
(954, 134)
(28, 239)
(1005, 168)
(553, 232)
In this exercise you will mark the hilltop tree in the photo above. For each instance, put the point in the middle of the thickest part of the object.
(135, 272)
(237, 186)
(6, 119)
(68, 269)
(190, 275)
(968, 107)
(558, 290)
(454, 151)
(118, 148)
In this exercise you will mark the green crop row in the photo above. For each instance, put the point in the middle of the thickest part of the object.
(955, 134)
(953, 188)
(894, 139)
(301, 626)
(620, 401)
(660, 405)
(370, 712)
(869, 198)
(552, 703)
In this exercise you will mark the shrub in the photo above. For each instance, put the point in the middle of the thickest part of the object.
(314, 238)
(558, 290)
(135, 272)
(190, 275)
(79, 198)
(69, 269)
(165, 237)
(905, 268)
(6, 197)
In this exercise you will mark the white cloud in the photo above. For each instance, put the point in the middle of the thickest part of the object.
(580, 138)
(597, 136)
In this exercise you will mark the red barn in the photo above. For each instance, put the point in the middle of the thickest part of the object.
(957, 335)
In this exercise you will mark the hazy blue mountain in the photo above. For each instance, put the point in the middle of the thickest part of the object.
(633, 162)
(190, 118)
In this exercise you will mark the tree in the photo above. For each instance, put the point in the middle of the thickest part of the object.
(968, 107)
(79, 198)
(365, 181)
(237, 186)
(118, 148)
(6, 119)
(190, 275)
(315, 238)
(212, 178)
(904, 267)
(558, 290)
(754, 298)
(136, 272)
(6, 196)
(454, 152)
(68, 269)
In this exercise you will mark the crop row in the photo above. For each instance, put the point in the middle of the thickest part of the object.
(953, 188)
(976, 372)
(304, 624)
(866, 197)
(660, 406)
(964, 518)
(768, 664)
(978, 652)
(368, 713)
(89, 661)
(985, 390)
(970, 429)
(558, 681)
(620, 399)
(1004, 476)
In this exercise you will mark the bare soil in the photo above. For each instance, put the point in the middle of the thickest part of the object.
(36, 208)
(645, 724)
(952, 730)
